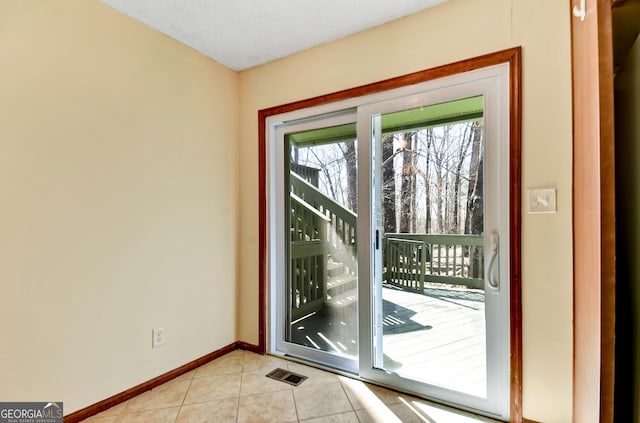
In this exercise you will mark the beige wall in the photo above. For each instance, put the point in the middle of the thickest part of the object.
(455, 30)
(118, 202)
(125, 180)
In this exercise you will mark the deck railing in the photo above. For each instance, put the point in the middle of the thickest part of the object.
(308, 173)
(414, 259)
(320, 228)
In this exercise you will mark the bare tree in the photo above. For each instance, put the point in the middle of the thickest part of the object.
(349, 152)
(413, 142)
(462, 153)
(388, 186)
(446, 198)
(408, 174)
(427, 181)
(439, 169)
(474, 219)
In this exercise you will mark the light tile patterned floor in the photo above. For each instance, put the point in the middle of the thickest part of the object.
(234, 388)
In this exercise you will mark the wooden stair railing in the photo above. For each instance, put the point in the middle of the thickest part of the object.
(308, 258)
(341, 237)
(323, 234)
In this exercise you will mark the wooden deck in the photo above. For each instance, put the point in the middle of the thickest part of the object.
(438, 337)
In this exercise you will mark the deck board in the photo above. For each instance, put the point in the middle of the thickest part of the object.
(437, 337)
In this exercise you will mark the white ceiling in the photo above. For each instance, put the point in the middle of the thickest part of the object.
(245, 33)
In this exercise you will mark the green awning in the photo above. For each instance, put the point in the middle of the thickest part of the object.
(457, 111)
(340, 133)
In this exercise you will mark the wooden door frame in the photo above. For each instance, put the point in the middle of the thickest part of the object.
(511, 56)
(593, 214)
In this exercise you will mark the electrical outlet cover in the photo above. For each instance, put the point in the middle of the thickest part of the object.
(157, 337)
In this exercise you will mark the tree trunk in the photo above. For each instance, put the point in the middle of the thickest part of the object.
(427, 183)
(413, 175)
(439, 187)
(405, 191)
(388, 186)
(474, 218)
(456, 184)
(352, 176)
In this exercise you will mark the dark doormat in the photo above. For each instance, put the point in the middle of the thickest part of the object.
(286, 376)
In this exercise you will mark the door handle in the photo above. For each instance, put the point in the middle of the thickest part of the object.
(495, 247)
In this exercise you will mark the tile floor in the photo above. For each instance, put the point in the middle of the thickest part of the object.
(233, 388)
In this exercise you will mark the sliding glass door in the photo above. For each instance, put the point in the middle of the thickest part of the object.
(390, 235)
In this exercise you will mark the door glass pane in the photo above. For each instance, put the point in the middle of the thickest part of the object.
(429, 202)
(321, 286)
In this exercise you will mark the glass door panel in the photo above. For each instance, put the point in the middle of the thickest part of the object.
(436, 315)
(429, 211)
(321, 243)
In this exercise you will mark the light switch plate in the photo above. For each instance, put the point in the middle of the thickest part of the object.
(542, 200)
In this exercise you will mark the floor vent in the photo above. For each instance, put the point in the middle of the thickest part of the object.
(287, 377)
